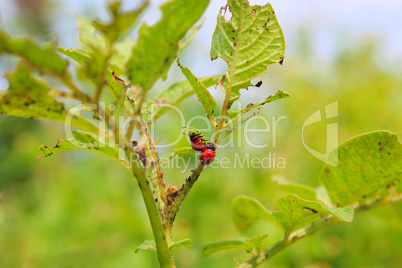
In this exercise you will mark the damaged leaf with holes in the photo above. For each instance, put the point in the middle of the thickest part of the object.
(250, 41)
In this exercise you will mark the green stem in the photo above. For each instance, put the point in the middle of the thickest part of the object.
(165, 259)
(311, 229)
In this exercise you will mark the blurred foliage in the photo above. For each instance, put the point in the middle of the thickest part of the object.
(79, 209)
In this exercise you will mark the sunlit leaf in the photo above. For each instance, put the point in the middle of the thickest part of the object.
(157, 45)
(83, 140)
(249, 42)
(366, 164)
(247, 210)
(205, 98)
(301, 190)
(252, 245)
(294, 212)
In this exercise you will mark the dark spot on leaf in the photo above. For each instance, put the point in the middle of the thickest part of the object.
(379, 143)
(389, 153)
(31, 117)
(281, 61)
(156, 199)
(234, 44)
(88, 147)
(164, 237)
(380, 149)
(233, 31)
(140, 186)
(247, 61)
(364, 196)
(311, 209)
(253, 11)
(148, 182)
(166, 59)
(258, 84)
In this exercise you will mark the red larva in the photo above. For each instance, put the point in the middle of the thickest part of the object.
(196, 142)
(208, 154)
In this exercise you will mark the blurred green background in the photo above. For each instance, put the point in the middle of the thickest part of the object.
(80, 209)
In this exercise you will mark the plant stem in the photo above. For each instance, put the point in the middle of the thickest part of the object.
(311, 229)
(165, 259)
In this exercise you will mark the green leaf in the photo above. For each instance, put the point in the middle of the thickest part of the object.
(83, 140)
(150, 245)
(157, 45)
(146, 245)
(294, 212)
(184, 242)
(22, 80)
(121, 20)
(39, 105)
(205, 98)
(249, 42)
(280, 94)
(301, 190)
(247, 210)
(149, 110)
(88, 35)
(44, 58)
(116, 88)
(252, 245)
(179, 91)
(367, 164)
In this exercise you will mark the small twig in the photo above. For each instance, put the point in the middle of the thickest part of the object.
(311, 229)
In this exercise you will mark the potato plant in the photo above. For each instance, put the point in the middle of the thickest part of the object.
(121, 71)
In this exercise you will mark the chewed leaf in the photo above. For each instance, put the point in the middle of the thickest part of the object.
(83, 140)
(301, 190)
(366, 164)
(157, 45)
(280, 94)
(250, 41)
(146, 245)
(39, 105)
(294, 212)
(252, 245)
(247, 210)
(205, 98)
